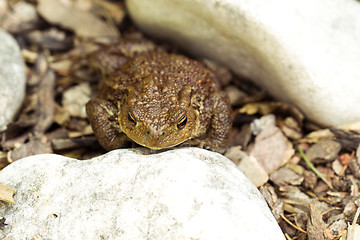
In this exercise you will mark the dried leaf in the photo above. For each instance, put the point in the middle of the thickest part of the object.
(83, 23)
(318, 136)
(265, 108)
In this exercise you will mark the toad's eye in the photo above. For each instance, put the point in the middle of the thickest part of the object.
(182, 122)
(131, 119)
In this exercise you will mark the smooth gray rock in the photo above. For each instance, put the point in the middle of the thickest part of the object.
(12, 79)
(304, 52)
(186, 193)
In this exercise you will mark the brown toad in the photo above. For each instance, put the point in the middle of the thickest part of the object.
(158, 100)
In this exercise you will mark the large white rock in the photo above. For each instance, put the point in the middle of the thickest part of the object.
(305, 52)
(12, 79)
(178, 194)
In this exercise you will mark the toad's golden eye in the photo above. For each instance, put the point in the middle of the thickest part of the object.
(182, 122)
(131, 119)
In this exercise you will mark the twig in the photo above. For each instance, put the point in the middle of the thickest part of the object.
(313, 168)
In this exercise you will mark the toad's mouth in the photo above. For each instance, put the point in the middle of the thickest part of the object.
(156, 145)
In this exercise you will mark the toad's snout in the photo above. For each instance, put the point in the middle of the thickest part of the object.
(156, 138)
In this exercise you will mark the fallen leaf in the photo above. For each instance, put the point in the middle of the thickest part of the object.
(318, 136)
(84, 23)
(265, 108)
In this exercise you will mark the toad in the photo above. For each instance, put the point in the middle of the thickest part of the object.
(158, 100)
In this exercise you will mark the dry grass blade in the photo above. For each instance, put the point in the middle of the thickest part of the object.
(291, 224)
(313, 168)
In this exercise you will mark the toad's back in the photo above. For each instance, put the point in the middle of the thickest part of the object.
(167, 73)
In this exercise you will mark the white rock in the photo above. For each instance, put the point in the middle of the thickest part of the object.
(299, 55)
(12, 79)
(187, 193)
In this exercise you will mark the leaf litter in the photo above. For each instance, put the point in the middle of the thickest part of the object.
(270, 140)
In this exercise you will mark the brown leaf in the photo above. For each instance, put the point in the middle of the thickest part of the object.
(318, 136)
(83, 23)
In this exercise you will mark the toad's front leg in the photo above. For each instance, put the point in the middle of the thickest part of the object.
(102, 116)
(220, 125)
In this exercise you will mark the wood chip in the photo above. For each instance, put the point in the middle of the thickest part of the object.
(285, 176)
(7, 193)
(75, 99)
(324, 151)
(316, 227)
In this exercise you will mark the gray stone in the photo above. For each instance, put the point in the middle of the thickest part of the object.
(186, 193)
(299, 55)
(12, 79)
